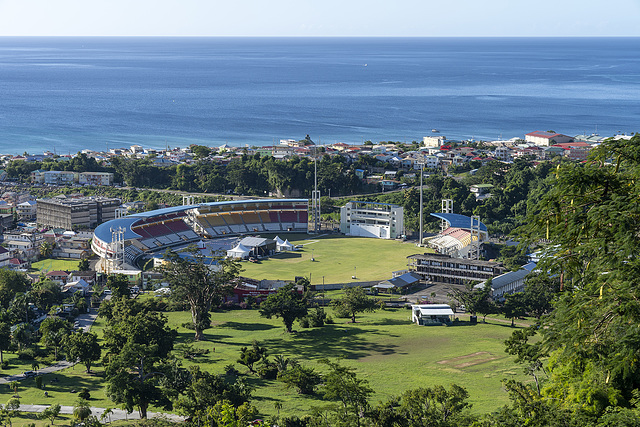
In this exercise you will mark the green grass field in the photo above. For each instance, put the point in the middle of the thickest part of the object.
(393, 354)
(337, 259)
(55, 264)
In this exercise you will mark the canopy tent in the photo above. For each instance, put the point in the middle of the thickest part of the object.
(240, 251)
(279, 241)
(285, 246)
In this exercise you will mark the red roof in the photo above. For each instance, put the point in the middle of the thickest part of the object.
(541, 134)
(567, 145)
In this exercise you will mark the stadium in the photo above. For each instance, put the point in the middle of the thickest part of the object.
(126, 240)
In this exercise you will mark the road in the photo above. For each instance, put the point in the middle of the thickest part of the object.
(84, 321)
(116, 414)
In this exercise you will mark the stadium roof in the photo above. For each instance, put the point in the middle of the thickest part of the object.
(103, 231)
(458, 221)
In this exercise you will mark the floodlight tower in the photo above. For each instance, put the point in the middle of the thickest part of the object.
(474, 249)
(447, 207)
(117, 248)
(315, 194)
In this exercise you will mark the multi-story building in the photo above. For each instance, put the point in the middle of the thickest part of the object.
(26, 210)
(76, 213)
(440, 268)
(95, 178)
(370, 219)
(59, 177)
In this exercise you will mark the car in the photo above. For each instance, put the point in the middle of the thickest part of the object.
(29, 374)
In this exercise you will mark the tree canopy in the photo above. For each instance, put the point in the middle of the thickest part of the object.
(287, 304)
(193, 280)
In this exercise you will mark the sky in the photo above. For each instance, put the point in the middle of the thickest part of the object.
(334, 18)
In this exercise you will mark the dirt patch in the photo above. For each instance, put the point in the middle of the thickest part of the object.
(475, 362)
(467, 356)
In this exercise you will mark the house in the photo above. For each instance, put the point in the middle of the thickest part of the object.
(431, 314)
(77, 286)
(5, 257)
(58, 276)
(481, 191)
(87, 276)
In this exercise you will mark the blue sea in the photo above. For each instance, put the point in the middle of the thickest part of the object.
(67, 94)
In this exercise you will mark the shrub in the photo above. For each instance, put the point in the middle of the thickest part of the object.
(341, 311)
(230, 369)
(38, 381)
(329, 320)
(84, 394)
(27, 354)
(317, 317)
(302, 378)
(4, 364)
(267, 370)
(188, 325)
(304, 322)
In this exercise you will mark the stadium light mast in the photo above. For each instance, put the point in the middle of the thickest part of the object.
(421, 163)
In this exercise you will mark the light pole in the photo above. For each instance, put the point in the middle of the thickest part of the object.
(421, 174)
(354, 272)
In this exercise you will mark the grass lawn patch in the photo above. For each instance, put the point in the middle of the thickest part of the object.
(384, 347)
(337, 259)
(55, 265)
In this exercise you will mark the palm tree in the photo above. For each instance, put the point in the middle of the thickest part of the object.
(46, 249)
(14, 385)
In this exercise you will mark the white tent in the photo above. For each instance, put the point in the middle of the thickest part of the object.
(285, 246)
(240, 251)
(279, 241)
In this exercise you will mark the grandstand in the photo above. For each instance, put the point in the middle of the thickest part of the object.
(155, 231)
(456, 239)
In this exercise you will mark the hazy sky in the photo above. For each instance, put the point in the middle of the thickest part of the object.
(319, 17)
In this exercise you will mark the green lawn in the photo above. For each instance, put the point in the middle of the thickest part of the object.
(337, 259)
(55, 264)
(393, 354)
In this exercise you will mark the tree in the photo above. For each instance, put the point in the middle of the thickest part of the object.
(287, 304)
(514, 306)
(476, 300)
(81, 410)
(82, 346)
(46, 294)
(303, 378)
(12, 408)
(251, 356)
(342, 384)
(193, 280)
(119, 286)
(50, 413)
(83, 265)
(587, 225)
(46, 249)
(137, 340)
(11, 284)
(430, 406)
(5, 339)
(355, 301)
(206, 390)
(53, 331)
(539, 292)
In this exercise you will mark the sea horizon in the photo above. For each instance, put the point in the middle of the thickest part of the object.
(68, 93)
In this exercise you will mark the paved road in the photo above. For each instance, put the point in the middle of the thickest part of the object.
(117, 414)
(84, 321)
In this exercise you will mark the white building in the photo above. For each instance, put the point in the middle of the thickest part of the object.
(546, 139)
(371, 219)
(434, 141)
(95, 178)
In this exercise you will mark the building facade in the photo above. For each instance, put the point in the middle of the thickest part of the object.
(440, 268)
(75, 213)
(370, 219)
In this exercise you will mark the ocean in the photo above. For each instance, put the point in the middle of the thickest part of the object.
(68, 94)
